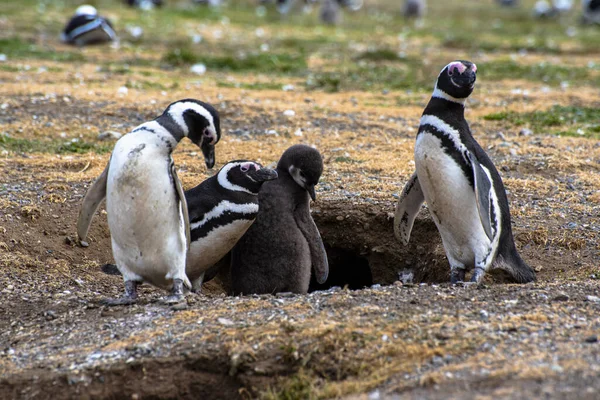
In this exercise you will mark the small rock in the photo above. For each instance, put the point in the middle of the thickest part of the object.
(593, 299)
(123, 90)
(288, 88)
(289, 113)
(339, 218)
(500, 135)
(525, 132)
(561, 297)
(198, 69)
(591, 339)
(272, 132)
(3, 57)
(83, 243)
(225, 321)
(69, 240)
(484, 315)
(385, 338)
(182, 305)
(50, 315)
(298, 132)
(109, 135)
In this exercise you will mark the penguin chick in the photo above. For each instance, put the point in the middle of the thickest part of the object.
(461, 186)
(145, 202)
(87, 27)
(221, 210)
(277, 252)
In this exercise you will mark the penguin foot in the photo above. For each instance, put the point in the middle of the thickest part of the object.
(457, 275)
(176, 295)
(478, 274)
(129, 298)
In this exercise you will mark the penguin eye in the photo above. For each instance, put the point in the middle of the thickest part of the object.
(244, 167)
(206, 132)
(450, 71)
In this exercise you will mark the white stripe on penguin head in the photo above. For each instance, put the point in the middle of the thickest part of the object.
(224, 182)
(177, 110)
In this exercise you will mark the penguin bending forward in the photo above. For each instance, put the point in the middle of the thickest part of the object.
(87, 27)
(281, 247)
(147, 211)
(463, 189)
(221, 210)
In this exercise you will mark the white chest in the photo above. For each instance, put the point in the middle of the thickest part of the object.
(207, 251)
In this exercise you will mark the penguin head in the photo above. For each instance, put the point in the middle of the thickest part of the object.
(200, 123)
(457, 80)
(245, 176)
(86, 9)
(305, 166)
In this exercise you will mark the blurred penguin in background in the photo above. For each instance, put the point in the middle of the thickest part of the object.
(543, 8)
(210, 3)
(414, 8)
(87, 27)
(330, 13)
(508, 3)
(144, 4)
(591, 12)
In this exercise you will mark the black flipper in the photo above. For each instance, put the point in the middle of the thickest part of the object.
(318, 256)
(408, 208)
(184, 207)
(94, 196)
(483, 187)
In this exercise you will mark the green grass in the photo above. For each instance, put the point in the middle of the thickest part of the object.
(547, 73)
(580, 121)
(282, 63)
(19, 145)
(17, 48)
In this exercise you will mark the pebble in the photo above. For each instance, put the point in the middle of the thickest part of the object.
(561, 297)
(198, 69)
(594, 299)
(484, 315)
(3, 57)
(525, 132)
(225, 321)
(123, 90)
(109, 135)
(288, 88)
(591, 339)
(289, 113)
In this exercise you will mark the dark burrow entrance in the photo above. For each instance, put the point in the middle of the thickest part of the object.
(346, 269)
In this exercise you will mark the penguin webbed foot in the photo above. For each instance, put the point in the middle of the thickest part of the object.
(478, 274)
(128, 299)
(176, 295)
(457, 275)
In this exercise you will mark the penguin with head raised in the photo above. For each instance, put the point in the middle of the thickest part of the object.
(461, 186)
(87, 27)
(221, 210)
(147, 211)
(283, 245)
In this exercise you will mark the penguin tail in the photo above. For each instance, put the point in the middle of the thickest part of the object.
(519, 270)
(111, 269)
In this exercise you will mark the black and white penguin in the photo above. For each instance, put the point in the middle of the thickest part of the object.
(221, 210)
(144, 4)
(87, 27)
(147, 211)
(281, 247)
(463, 189)
(591, 12)
(414, 8)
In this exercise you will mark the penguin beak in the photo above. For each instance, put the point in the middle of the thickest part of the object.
(209, 154)
(263, 175)
(311, 191)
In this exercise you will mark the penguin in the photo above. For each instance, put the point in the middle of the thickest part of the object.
(414, 8)
(591, 12)
(145, 202)
(221, 209)
(87, 27)
(330, 12)
(144, 4)
(461, 186)
(283, 244)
